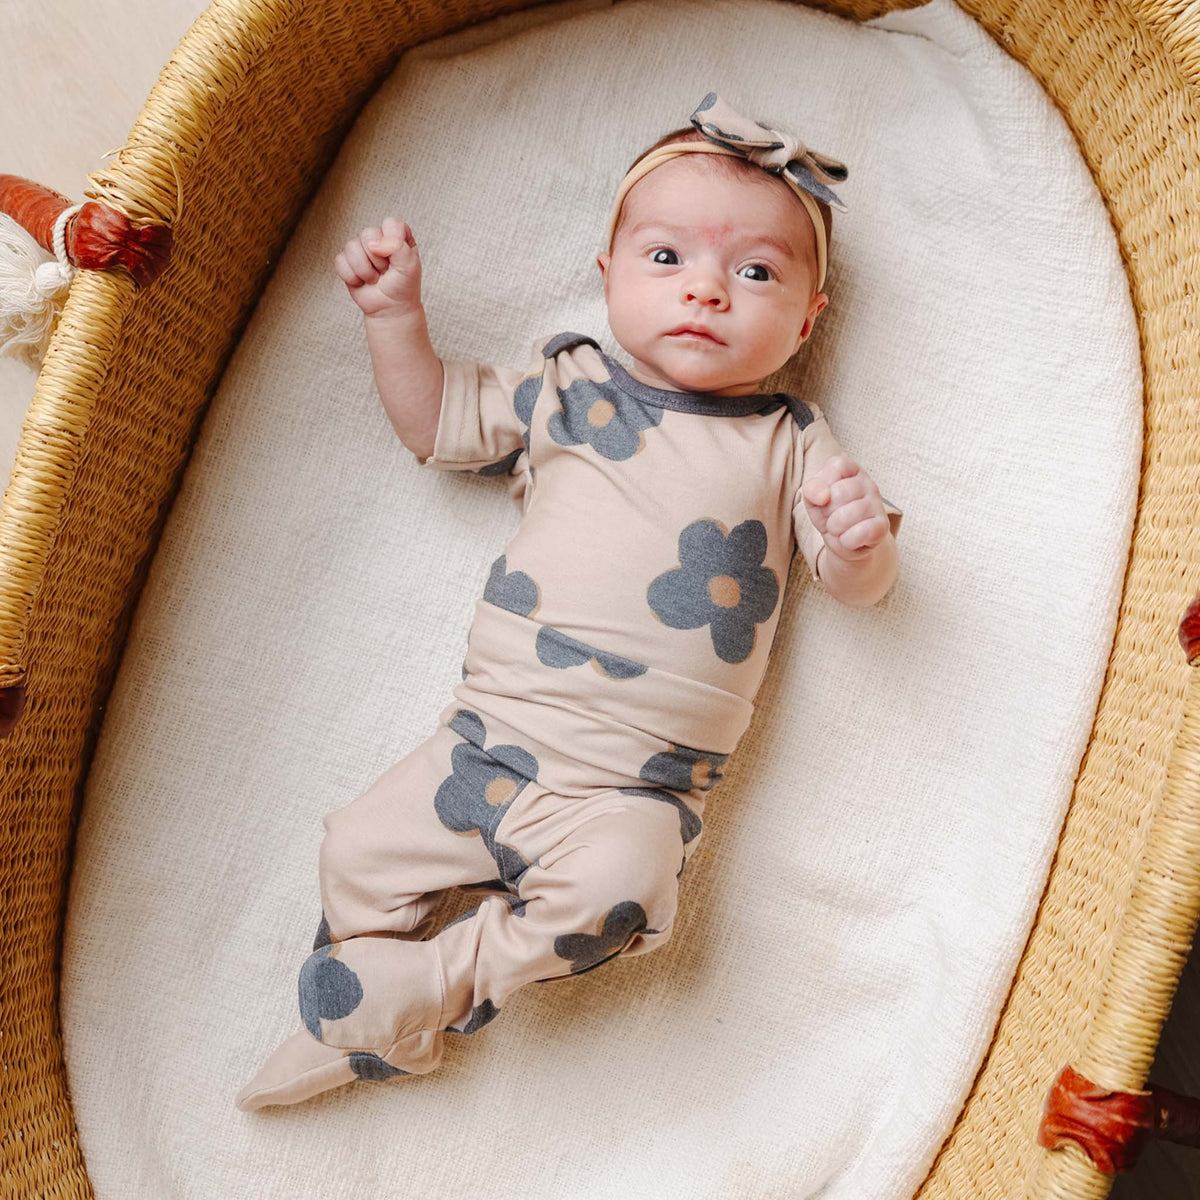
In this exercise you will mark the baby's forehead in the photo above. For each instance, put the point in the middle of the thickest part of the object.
(717, 205)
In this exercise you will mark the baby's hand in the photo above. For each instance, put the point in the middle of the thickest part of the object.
(382, 269)
(846, 508)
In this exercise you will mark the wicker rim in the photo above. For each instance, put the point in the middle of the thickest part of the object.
(250, 110)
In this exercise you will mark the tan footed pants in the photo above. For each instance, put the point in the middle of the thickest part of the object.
(571, 882)
(542, 788)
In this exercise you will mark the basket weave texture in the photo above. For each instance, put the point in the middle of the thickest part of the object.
(248, 114)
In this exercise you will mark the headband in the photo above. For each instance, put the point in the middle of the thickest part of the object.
(805, 171)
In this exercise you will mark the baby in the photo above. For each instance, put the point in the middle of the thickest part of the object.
(622, 635)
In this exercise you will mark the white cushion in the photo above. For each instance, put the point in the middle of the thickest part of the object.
(874, 856)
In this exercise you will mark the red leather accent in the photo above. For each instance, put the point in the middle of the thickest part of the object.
(33, 207)
(1189, 632)
(1112, 1127)
(97, 237)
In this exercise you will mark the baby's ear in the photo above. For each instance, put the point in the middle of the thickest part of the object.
(602, 261)
(811, 318)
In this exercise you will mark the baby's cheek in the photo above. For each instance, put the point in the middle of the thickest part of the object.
(631, 319)
(775, 341)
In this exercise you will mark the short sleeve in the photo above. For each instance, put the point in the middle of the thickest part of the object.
(816, 445)
(479, 425)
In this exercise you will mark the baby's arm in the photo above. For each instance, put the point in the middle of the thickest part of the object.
(844, 527)
(858, 562)
(382, 270)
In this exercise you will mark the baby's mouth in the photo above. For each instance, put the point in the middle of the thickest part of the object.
(695, 333)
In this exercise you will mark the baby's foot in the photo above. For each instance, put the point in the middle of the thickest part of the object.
(302, 1067)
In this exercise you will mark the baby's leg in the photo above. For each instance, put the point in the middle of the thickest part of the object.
(387, 857)
(603, 882)
(425, 825)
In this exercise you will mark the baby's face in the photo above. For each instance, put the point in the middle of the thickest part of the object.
(710, 282)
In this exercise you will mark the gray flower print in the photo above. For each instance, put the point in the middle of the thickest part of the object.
(323, 937)
(588, 950)
(328, 988)
(370, 1066)
(469, 725)
(721, 583)
(557, 649)
(481, 1014)
(603, 416)
(524, 398)
(515, 591)
(683, 768)
(481, 786)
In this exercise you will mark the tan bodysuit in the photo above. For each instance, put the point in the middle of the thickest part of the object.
(657, 527)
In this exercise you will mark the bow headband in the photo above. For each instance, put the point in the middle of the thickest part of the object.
(805, 171)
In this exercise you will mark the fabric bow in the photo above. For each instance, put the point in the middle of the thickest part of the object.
(772, 149)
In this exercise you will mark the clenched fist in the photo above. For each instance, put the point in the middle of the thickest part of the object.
(844, 504)
(382, 270)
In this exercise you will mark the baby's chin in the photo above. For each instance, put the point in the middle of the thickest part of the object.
(698, 370)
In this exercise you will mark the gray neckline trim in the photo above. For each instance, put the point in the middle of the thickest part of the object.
(691, 402)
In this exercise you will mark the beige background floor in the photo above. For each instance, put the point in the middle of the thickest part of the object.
(76, 73)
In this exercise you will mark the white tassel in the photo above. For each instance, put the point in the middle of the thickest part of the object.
(33, 289)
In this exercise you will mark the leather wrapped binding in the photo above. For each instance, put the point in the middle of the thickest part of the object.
(1113, 1127)
(97, 237)
(1189, 632)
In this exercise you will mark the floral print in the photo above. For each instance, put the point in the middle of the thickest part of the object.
(481, 1014)
(557, 649)
(370, 1066)
(323, 937)
(481, 786)
(682, 768)
(519, 593)
(588, 950)
(328, 988)
(514, 591)
(524, 398)
(604, 417)
(501, 466)
(721, 583)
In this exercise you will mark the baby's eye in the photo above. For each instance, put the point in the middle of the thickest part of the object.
(760, 273)
(667, 258)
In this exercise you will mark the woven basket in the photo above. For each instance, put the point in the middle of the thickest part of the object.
(243, 122)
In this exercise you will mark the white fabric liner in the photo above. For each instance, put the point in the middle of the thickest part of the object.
(874, 857)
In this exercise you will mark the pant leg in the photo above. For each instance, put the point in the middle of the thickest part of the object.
(603, 883)
(425, 825)
(589, 876)
(600, 878)
(428, 823)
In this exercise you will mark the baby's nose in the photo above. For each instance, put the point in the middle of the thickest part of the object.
(705, 289)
